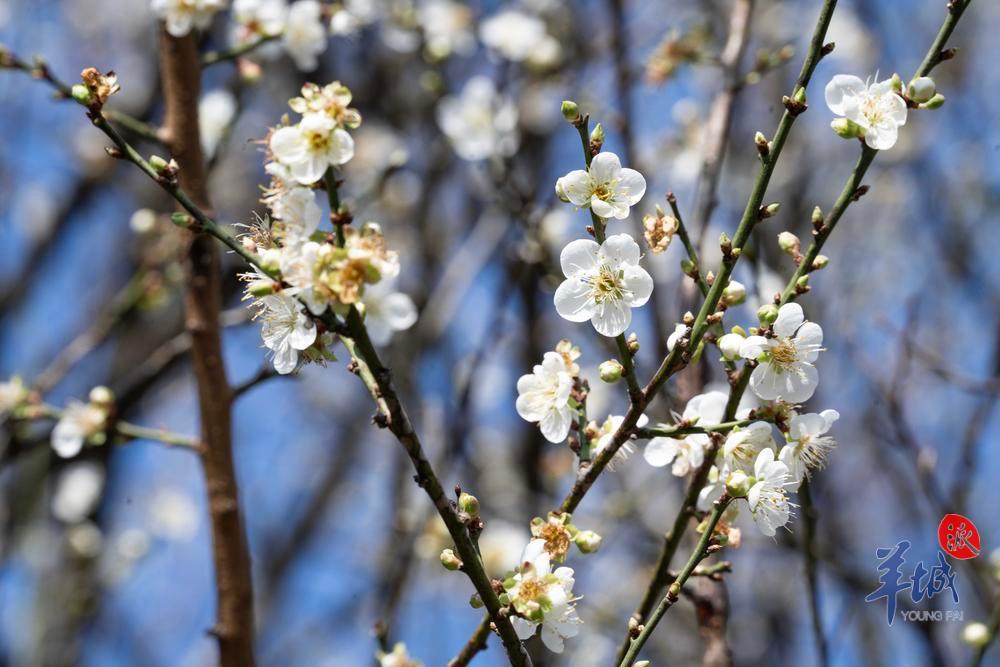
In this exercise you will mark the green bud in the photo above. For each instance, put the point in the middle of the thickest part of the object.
(763, 148)
(738, 484)
(687, 266)
(597, 134)
(935, 102)
(610, 371)
(475, 601)
(820, 262)
(770, 210)
(802, 282)
(725, 243)
(450, 560)
(468, 504)
(739, 331)
(181, 219)
(570, 111)
(817, 216)
(847, 129)
(767, 314)
(158, 163)
(921, 89)
(588, 541)
(82, 94)
(897, 83)
(789, 243)
(633, 342)
(800, 96)
(734, 294)
(261, 288)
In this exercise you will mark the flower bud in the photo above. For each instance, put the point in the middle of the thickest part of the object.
(897, 83)
(820, 262)
(687, 266)
(847, 128)
(935, 102)
(570, 111)
(450, 560)
(270, 259)
(610, 371)
(802, 283)
(770, 210)
(182, 220)
(730, 345)
(763, 148)
(468, 504)
(725, 243)
(261, 287)
(561, 190)
(789, 243)
(800, 95)
(767, 314)
(738, 485)
(102, 397)
(817, 217)
(921, 89)
(588, 541)
(475, 601)
(82, 94)
(158, 164)
(976, 634)
(597, 134)
(734, 294)
(633, 342)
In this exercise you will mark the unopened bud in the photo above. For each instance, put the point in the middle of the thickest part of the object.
(817, 216)
(734, 294)
(588, 541)
(158, 164)
(921, 89)
(730, 345)
(847, 129)
(935, 102)
(687, 266)
(610, 371)
(897, 83)
(561, 190)
(767, 314)
(802, 283)
(820, 262)
(633, 343)
(763, 148)
(475, 601)
(181, 219)
(82, 94)
(260, 288)
(102, 397)
(770, 210)
(789, 243)
(800, 95)
(450, 560)
(468, 504)
(597, 134)
(725, 243)
(738, 485)
(710, 277)
(570, 111)
(688, 318)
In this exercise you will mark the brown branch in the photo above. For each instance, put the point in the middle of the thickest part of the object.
(181, 76)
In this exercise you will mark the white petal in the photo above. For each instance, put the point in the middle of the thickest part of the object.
(613, 319)
(286, 358)
(841, 87)
(341, 147)
(555, 425)
(399, 311)
(523, 627)
(576, 186)
(753, 346)
(829, 416)
(287, 145)
(631, 186)
(660, 451)
(806, 425)
(605, 167)
(67, 439)
(601, 208)
(882, 137)
(581, 256)
(766, 382)
(808, 340)
(790, 318)
(302, 335)
(551, 639)
(800, 383)
(639, 283)
(574, 301)
(620, 249)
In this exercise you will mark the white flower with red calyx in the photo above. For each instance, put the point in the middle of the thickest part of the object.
(767, 498)
(607, 188)
(603, 283)
(305, 34)
(606, 435)
(287, 330)
(387, 311)
(542, 597)
(180, 16)
(876, 109)
(544, 397)
(785, 367)
(688, 452)
(744, 445)
(309, 148)
(807, 443)
(480, 122)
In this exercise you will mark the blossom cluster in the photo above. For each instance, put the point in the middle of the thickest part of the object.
(319, 271)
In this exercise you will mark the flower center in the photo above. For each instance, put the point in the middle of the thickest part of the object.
(531, 589)
(606, 284)
(556, 540)
(603, 191)
(784, 354)
(318, 141)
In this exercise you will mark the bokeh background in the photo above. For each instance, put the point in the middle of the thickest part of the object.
(106, 558)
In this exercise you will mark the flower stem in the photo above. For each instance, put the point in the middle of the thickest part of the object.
(213, 57)
(699, 554)
(673, 431)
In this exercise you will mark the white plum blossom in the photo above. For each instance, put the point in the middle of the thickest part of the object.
(513, 34)
(216, 111)
(745, 444)
(875, 107)
(688, 453)
(605, 187)
(387, 311)
(180, 16)
(287, 330)
(305, 34)
(310, 147)
(767, 498)
(679, 331)
(603, 283)
(786, 368)
(542, 597)
(807, 443)
(446, 27)
(480, 122)
(398, 658)
(77, 491)
(297, 209)
(543, 397)
(606, 434)
(79, 421)
(256, 19)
